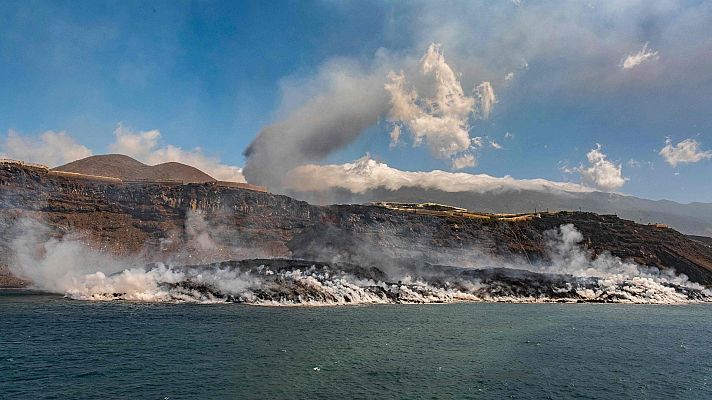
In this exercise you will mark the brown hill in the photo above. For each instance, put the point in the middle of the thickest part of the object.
(125, 167)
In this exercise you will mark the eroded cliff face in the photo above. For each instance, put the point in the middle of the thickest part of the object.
(147, 218)
(198, 223)
(387, 233)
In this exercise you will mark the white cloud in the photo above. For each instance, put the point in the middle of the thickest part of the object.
(50, 148)
(635, 59)
(144, 146)
(485, 95)
(365, 174)
(395, 136)
(686, 151)
(464, 161)
(495, 145)
(440, 120)
(601, 173)
(633, 163)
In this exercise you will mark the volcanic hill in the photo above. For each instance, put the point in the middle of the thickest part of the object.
(127, 168)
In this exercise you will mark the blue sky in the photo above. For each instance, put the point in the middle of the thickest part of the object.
(213, 75)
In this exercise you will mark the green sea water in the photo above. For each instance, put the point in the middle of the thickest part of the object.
(55, 348)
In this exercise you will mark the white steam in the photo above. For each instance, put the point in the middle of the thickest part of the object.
(624, 280)
(56, 264)
(68, 266)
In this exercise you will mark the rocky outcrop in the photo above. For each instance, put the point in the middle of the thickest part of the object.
(208, 222)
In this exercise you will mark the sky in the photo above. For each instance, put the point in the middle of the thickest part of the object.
(604, 95)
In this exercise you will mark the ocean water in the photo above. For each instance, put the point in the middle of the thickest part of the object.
(56, 348)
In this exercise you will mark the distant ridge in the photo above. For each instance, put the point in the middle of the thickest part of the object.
(127, 168)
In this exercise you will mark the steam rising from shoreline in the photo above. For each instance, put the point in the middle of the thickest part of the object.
(573, 274)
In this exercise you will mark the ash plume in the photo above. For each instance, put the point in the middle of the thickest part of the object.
(425, 99)
(349, 98)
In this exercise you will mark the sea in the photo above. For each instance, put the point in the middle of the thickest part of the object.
(52, 347)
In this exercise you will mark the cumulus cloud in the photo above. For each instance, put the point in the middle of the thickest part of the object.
(601, 172)
(145, 147)
(365, 174)
(441, 121)
(440, 117)
(464, 161)
(50, 148)
(635, 59)
(686, 151)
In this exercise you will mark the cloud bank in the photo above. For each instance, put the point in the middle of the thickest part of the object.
(684, 152)
(365, 174)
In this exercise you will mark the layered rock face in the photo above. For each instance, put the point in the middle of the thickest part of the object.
(202, 223)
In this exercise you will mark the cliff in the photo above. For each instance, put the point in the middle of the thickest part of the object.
(206, 222)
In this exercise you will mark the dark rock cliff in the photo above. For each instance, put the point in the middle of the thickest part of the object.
(160, 222)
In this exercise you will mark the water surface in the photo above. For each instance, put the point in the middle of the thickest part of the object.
(55, 348)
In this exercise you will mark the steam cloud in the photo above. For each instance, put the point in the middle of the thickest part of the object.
(67, 265)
